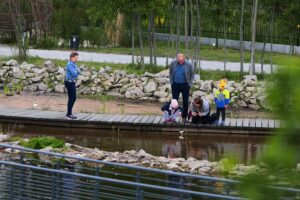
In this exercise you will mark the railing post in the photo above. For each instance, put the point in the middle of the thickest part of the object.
(138, 190)
(22, 176)
(97, 184)
(57, 181)
(181, 186)
(11, 184)
(53, 187)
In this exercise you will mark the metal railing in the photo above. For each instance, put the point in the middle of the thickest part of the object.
(35, 174)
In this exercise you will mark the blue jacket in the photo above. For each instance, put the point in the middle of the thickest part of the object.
(72, 71)
(222, 98)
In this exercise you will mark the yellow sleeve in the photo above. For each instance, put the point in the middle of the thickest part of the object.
(226, 94)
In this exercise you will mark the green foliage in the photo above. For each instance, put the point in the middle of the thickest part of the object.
(43, 142)
(46, 43)
(282, 153)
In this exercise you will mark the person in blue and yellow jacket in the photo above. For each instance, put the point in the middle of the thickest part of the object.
(222, 99)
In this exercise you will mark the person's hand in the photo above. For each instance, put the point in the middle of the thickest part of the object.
(226, 106)
(194, 114)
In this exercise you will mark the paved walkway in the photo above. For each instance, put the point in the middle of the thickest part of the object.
(125, 59)
(133, 122)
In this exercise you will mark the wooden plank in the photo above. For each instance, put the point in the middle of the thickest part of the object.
(252, 123)
(233, 122)
(265, 123)
(246, 122)
(258, 123)
(125, 119)
(111, 119)
(145, 118)
(119, 118)
(97, 117)
(150, 120)
(227, 122)
(138, 119)
(239, 122)
(131, 119)
(162, 121)
(271, 123)
(157, 120)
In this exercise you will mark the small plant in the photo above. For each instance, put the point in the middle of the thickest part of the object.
(6, 91)
(122, 107)
(18, 88)
(43, 142)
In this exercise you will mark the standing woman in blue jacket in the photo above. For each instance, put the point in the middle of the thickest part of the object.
(72, 72)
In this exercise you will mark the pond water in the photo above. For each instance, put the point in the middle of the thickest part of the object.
(212, 147)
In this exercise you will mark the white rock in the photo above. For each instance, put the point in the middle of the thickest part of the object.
(59, 88)
(242, 104)
(11, 62)
(3, 137)
(150, 87)
(160, 94)
(43, 87)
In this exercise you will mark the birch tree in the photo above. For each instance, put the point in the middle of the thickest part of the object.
(253, 37)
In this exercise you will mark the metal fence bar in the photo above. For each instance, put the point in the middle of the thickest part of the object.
(121, 182)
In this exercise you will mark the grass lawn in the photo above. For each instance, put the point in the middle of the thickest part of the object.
(136, 69)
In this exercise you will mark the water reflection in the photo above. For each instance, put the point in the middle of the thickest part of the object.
(212, 147)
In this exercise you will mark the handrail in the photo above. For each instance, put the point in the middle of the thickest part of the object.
(122, 182)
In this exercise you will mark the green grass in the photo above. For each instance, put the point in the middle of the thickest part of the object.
(207, 52)
(43, 142)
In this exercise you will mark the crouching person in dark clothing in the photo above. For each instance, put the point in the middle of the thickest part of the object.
(200, 111)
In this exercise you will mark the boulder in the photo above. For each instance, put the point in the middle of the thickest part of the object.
(199, 93)
(50, 66)
(3, 137)
(160, 94)
(31, 88)
(11, 62)
(150, 86)
(43, 87)
(36, 79)
(242, 104)
(59, 88)
(206, 86)
(134, 93)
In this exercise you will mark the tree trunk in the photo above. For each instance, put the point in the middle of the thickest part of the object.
(253, 37)
(242, 47)
(153, 40)
(132, 38)
(271, 35)
(262, 58)
(186, 27)
(198, 37)
(225, 35)
(150, 39)
(178, 16)
(140, 40)
(191, 29)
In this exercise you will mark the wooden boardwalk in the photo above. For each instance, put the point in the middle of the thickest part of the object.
(133, 122)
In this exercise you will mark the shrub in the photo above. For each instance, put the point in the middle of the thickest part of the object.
(43, 142)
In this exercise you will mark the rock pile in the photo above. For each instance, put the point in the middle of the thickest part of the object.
(154, 87)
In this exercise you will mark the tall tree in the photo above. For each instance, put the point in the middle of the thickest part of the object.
(242, 47)
(253, 37)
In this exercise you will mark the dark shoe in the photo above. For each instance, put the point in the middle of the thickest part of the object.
(71, 117)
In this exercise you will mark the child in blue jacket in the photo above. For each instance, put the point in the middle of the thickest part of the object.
(222, 99)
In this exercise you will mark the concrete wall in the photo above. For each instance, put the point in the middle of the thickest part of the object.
(235, 44)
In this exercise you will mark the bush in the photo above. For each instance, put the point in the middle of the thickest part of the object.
(46, 43)
(43, 142)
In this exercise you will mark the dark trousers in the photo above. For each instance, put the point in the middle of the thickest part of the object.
(202, 120)
(184, 89)
(71, 88)
(221, 111)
